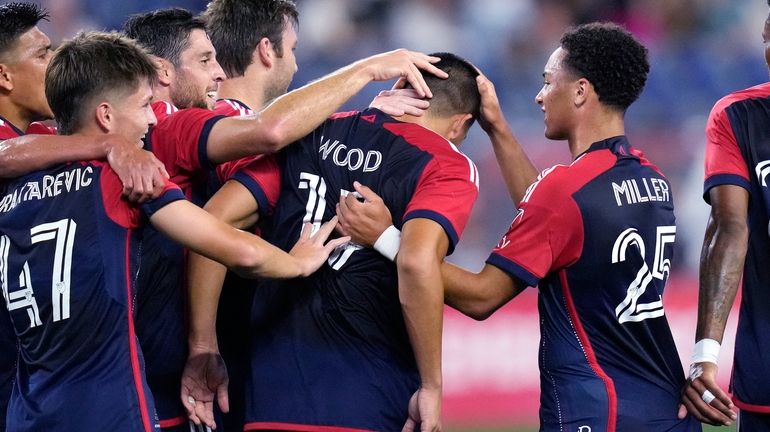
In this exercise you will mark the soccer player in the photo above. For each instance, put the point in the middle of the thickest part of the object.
(596, 237)
(24, 54)
(255, 43)
(735, 246)
(349, 357)
(68, 251)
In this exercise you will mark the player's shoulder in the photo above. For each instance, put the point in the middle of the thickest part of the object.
(761, 91)
(428, 141)
(163, 109)
(38, 128)
(232, 108)
(8, 130)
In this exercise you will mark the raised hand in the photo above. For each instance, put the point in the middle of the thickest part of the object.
(204, 378)
(704, 399)
(491, 113)
(397, 102)
(310, 250)
(405, 64)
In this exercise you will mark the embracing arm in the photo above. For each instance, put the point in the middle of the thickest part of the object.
(297, 113)
(143, 176)
(478, 295)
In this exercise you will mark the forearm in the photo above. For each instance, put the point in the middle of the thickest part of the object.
(422, 300)
(205, 279)
(24, 154)
(287, 119)
(477, 295)
(721, 268)
(517, 170)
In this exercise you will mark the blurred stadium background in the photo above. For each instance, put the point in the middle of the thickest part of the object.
(700, 50)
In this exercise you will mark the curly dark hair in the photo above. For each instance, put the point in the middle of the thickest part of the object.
(610, 58)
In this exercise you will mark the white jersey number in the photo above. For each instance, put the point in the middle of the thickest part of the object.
(630, 310)
(314, 213)
(63, 233)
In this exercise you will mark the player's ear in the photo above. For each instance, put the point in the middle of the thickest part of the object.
(459, 127)
(6, 77)
(582, 89)
(165, 71)
(263, 53)
(105, 117)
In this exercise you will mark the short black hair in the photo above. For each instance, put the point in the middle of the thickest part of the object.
(16, 19)
(88, 66)
(163, 32)
(236, 27)
(457, 94)
(610, 58)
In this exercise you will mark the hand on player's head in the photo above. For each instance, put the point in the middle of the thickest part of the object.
(490, 112)
(400, 101)
(406, 64)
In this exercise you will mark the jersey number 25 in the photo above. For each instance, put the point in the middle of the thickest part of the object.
(630, 309)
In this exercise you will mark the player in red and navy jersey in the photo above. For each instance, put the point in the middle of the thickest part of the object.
(68, 252)
(595, 236)
(24, 54)
(736, 245)
(343, 329)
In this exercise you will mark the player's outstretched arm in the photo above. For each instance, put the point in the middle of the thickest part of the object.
(297, 113)
(143, 176)
(721, 267)
(517, 170)
(423, 247)
(478, 295)
(244, 253)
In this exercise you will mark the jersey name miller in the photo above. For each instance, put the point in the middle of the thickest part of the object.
(635, 191)
(352, 158)
(48, 187)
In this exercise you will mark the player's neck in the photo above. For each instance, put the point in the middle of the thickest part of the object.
(595, 128)
(14, 114)
(162, 93)
(245, 90)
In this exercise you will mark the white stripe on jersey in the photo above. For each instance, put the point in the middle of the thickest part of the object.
(540, 177)
(474, 172)
(170, 109)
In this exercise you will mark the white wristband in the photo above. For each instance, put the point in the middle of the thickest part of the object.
(706, 350)
(388, 243)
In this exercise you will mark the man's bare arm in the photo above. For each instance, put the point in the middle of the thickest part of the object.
(478, 295)
(515, 166)
(423, 247)
(297, 113)
(722, 258)
(143, 176)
